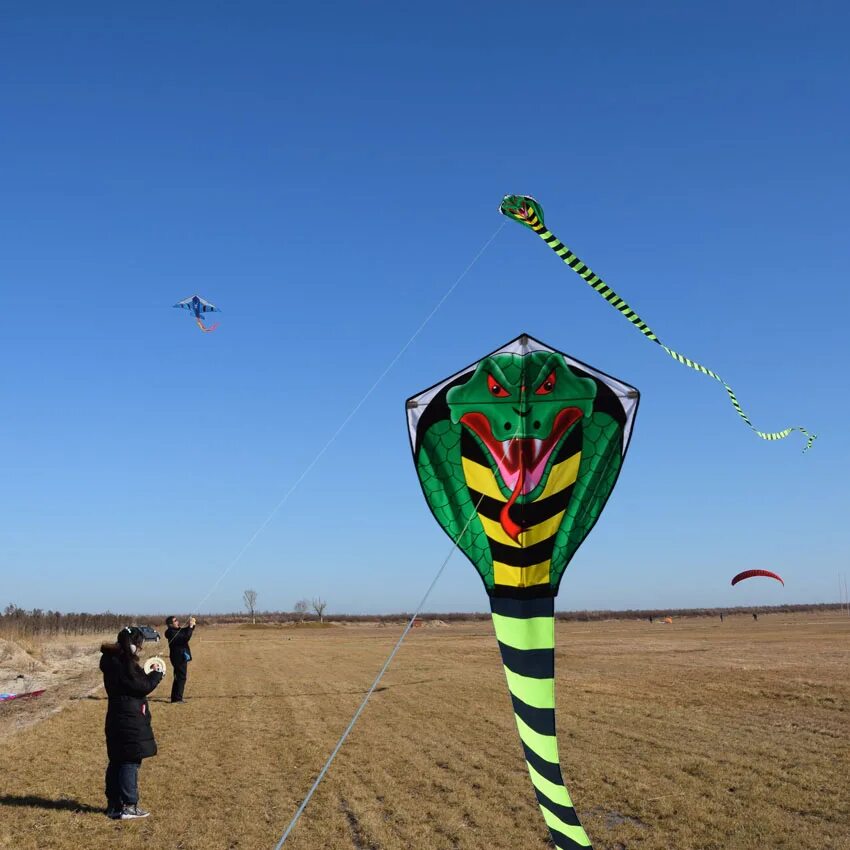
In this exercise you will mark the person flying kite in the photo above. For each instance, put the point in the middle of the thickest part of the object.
(517, 455)
(199, 306)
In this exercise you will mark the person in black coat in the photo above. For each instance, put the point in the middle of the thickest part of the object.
(179, 653)
(129, 735)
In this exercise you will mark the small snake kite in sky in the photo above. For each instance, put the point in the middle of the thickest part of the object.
(528, 212)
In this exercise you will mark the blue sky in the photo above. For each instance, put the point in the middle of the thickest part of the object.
(325, 172)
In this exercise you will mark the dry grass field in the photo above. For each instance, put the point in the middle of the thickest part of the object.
(688, 736)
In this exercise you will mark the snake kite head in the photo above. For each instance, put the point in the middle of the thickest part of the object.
(520, 408)
(522, 208)
(517, 455)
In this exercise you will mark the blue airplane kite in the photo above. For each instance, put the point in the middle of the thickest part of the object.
(199, 306)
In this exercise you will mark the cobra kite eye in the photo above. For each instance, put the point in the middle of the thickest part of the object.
(547, 386)
(496, 388)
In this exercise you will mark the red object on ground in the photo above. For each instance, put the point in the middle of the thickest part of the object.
(28, 695)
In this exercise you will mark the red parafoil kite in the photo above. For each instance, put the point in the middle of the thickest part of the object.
(753, 573)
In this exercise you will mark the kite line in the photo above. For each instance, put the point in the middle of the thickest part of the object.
(350, 416)
(362, 705)
(528, 212)
(307, 471)
(378, 678)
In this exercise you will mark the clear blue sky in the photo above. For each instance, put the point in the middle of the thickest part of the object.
(324, 172)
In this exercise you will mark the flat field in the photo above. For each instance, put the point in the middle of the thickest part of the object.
(687, 736)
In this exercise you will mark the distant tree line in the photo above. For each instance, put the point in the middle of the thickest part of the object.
(302, 613)
(18, 622)
(655, 613)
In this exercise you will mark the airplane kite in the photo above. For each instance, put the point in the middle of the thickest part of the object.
(199, 306)
(528, 212)
(517, 455)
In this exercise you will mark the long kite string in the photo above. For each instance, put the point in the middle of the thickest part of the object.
(345, 421)
(383, 670)
(527, 211)
(349, 417)
(304, 474)
(362, 705)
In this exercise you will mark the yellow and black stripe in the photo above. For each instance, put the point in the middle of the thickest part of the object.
(522, 567)
(532, 220)
(525, 629)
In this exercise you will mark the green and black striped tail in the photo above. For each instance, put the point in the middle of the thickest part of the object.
(525, 629)
(528, 212)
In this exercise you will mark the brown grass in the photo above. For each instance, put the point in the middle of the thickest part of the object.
(685, 737)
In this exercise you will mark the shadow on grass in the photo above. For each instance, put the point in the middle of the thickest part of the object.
(35, 802)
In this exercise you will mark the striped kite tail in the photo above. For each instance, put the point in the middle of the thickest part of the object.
(525, 629)
(525, 210)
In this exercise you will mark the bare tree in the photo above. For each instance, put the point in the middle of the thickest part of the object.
(249, 597)
(302, 606)
(319, 606)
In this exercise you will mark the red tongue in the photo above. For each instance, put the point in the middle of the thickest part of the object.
(511, 528)
(523, 454)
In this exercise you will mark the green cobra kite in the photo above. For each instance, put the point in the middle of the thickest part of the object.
(517, 455)
(528, 212)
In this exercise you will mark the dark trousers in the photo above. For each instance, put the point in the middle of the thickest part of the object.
(179, 682)
(122, 783)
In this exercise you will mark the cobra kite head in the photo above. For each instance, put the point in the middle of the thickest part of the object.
(522, 208)
(517, 455)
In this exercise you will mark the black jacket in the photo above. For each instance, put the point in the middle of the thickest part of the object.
(129, 735)
(178, 644)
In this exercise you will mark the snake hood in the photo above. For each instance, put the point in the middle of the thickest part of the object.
(517, 455)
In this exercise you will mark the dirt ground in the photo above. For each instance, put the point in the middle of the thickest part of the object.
(66, 669)
(688, 736)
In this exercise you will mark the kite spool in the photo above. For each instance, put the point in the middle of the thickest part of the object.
(154, 661)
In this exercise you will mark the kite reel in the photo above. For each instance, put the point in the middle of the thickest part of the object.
(155, 662)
